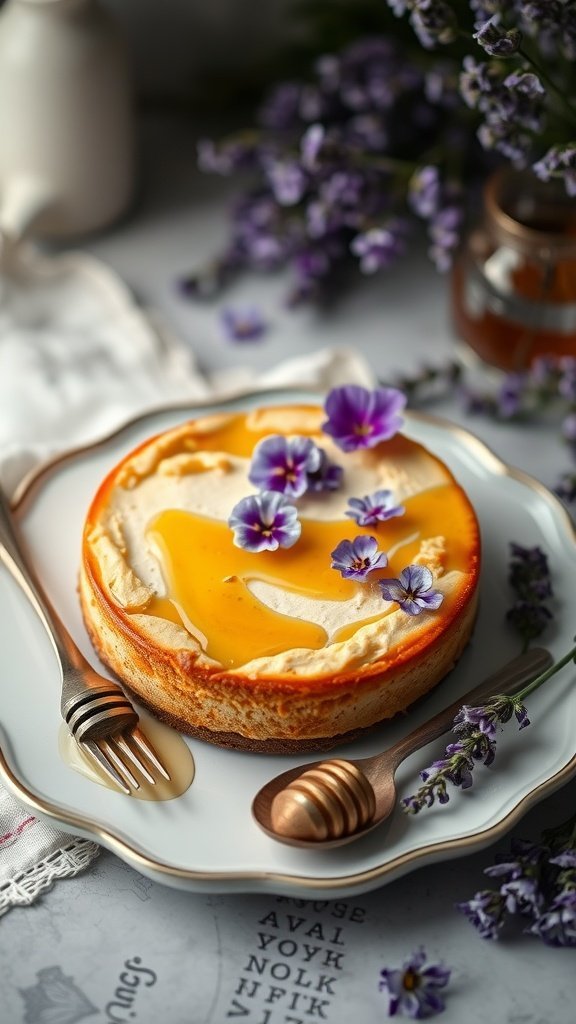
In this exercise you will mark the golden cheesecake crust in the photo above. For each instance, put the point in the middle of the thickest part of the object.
(299, 698)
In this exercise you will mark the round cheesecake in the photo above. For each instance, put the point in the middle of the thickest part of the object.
(275, 650)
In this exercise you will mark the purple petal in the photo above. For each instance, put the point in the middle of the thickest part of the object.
(412, 590)
(359, 418)
(264, 522)
(373, 508)
(392, 590)
(354, 559)
(412, 990)
(432, 600)
(282, 464)
(416, 578)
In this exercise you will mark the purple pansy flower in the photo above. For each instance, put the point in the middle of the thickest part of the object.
(412, 590)
(354, 559)
(374, 508)
(264, 522)
(360, 418)
(283, 464)
(243, 323)
(412, 989)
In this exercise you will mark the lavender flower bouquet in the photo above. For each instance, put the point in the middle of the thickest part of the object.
(391, 131)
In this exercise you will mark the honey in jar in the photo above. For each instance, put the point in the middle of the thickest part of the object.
(514, 283)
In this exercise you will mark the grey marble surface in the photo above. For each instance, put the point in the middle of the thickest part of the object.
(115, 946)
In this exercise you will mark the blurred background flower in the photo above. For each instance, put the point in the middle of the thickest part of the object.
(398, 111)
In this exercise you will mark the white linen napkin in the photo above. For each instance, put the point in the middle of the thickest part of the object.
(77, 358)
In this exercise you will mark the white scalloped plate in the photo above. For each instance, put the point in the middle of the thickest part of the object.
(206, 840)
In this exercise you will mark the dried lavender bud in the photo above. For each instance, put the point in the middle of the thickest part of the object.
(497, 41)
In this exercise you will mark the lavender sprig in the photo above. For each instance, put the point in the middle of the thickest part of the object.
(343, 163)
(529, 577)
(475, 732)
(537, 886)
(548, 387)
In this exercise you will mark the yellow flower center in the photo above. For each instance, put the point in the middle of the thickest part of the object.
(410, 981)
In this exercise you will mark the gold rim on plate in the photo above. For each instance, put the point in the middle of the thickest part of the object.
(357, 881)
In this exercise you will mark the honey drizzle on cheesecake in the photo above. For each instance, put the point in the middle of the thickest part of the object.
(207, 577)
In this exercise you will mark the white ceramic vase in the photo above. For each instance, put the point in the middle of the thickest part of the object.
(66, 119)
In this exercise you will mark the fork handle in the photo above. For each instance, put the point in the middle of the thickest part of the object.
(506, 680)
(12, 556)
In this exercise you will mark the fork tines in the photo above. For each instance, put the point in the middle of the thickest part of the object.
(118, 755)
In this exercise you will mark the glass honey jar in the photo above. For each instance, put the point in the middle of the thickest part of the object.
(514, 282)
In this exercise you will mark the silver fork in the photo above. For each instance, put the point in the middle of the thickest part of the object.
(99, 715)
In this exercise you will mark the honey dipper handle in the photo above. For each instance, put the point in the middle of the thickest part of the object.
(506, 680)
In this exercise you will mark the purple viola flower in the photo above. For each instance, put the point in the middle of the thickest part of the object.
(374, 508)
(412, 590)
(243, 323)
(283, 463)
(359, 418)
(264, 522)
(412, 989)
(355, 559)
